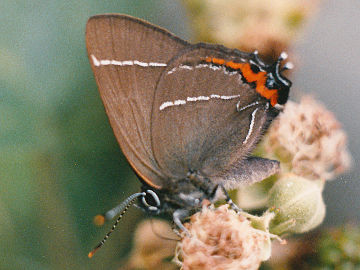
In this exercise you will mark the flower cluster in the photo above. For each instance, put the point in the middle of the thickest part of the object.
(222, 239)
(309, 141)
(250, 24)
(311, 147)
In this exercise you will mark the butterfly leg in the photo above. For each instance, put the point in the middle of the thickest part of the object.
(227, 198)
(175, 230)
(179, 215)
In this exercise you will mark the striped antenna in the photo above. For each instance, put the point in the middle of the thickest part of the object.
(121, 208)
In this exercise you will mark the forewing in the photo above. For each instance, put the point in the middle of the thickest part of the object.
(127, 56)
(205, 117)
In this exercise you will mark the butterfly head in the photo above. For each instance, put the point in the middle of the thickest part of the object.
(275, 81)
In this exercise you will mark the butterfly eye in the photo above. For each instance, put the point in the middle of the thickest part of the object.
(153, 202)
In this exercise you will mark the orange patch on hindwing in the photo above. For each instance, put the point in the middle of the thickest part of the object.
(259, 78)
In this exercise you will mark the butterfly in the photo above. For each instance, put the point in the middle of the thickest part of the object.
(186, 116)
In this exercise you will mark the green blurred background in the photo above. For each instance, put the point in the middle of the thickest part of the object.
(60, 164)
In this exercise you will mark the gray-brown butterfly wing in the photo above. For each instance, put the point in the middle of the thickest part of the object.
(127, 56)
(205, 117)
(245, 172)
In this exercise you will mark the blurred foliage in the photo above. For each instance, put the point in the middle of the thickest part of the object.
(60, 164)
(335, 249)
(331, 248)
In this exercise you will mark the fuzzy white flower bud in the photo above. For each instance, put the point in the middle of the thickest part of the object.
(299, 204)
